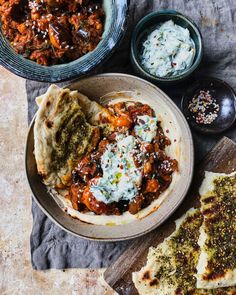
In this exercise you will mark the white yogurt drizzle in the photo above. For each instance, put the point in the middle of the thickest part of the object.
(121, 178)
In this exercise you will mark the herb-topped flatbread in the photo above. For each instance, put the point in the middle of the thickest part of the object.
(217, 263)
(171, 266)
(63, 133)
(199, 257)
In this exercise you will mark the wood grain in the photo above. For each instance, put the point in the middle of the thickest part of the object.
(221, 159)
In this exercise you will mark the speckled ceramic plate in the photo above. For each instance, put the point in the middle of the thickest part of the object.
(175, 126)
(115, 24)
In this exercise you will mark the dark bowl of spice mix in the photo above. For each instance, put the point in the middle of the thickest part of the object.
(58, 40)
(209, 106)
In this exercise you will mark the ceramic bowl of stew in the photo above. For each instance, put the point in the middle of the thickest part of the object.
(115, 87)
(26, 66)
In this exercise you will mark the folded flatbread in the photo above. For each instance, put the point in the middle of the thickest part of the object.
(217, 263)
(170, 267)
(63, 132)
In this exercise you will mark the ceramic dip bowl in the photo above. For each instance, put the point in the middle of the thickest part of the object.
(148, 24)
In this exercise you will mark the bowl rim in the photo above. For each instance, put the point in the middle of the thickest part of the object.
(177, 204)
(136, 33)
(207, 79)
(82, 66)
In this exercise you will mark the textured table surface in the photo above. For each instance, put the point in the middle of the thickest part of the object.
(16, 274)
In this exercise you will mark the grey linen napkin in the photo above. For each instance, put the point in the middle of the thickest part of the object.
(51, 247)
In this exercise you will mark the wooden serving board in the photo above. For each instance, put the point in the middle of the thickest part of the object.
(221, 159)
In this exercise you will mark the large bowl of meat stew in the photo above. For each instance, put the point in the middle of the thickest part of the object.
(39, 69)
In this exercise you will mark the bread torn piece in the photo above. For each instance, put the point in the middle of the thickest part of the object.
(64, 131)
(171, 266)
(217, 262)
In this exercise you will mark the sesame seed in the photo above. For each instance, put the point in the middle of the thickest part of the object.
(204, 108)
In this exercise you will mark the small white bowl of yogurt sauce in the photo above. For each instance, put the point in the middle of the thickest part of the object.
(166, 47)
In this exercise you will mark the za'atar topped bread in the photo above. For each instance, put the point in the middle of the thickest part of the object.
(199, 256)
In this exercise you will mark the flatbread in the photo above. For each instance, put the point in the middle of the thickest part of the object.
(63, 133)
(91, 109)
(217, 262)
(171, 266)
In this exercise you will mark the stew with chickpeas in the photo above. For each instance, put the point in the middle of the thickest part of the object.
(52, 31)
(152, 168)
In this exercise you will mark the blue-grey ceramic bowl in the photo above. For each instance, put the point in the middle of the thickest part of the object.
(115, 24)
(147, 25)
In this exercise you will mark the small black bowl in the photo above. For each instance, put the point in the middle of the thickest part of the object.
(115, 24)
(226, 99)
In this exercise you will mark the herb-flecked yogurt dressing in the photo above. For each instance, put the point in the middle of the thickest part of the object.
(121, 178)
(146, 127)
(168, 50)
